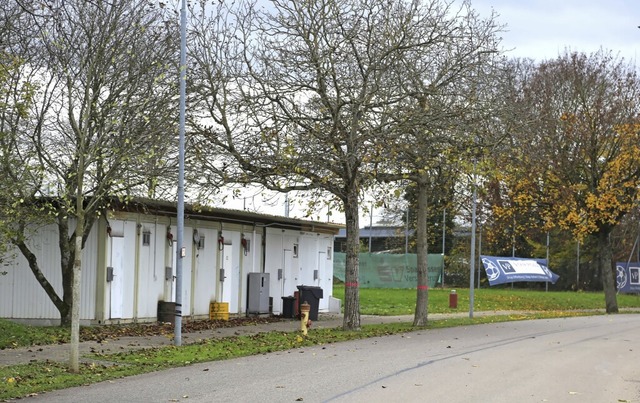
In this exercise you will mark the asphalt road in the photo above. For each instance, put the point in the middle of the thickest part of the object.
(583, 359)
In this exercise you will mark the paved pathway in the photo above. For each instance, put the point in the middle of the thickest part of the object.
(590, 359)
(60, 352)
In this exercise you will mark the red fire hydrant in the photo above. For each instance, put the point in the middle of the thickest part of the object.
(453, 299)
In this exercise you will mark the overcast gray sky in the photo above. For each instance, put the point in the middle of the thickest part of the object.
(541, 29)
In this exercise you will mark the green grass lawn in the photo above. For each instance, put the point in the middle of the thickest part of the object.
(377, 301)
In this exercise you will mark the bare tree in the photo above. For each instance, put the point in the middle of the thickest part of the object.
(439, 127)
(99, 124)
(295, 96)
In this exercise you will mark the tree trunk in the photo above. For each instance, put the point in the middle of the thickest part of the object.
(66, 266)
(74, 353)
(422, 297)
(74, 348)
(605, 263)
(352, 265)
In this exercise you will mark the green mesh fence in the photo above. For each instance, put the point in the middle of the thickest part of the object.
(385, 270)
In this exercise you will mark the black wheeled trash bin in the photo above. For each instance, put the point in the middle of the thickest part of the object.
(312, 295)
(287, 307)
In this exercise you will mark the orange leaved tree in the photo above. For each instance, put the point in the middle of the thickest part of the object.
(574, 157)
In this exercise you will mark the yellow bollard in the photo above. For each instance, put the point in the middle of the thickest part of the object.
(305, 308)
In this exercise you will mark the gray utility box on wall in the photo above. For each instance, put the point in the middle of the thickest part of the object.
(258, 293)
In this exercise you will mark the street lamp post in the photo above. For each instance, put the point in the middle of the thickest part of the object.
(180, 210)
(444, 232)
(578, 266)
(472, 261)
(479, 254)
(546, 284)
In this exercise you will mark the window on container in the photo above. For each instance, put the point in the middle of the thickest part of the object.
(146, 238)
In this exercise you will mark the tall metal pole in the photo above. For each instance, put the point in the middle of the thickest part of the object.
(479, 254)
(513, 242)
(444, 232)
(546, 284)
(472, 260)
(578, 267)
(370, 227)
(406, 241)
(406, 235)
(183, 111)
(513, 237)
(286, 204)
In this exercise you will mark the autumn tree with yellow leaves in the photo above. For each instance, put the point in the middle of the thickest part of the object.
(573, 161)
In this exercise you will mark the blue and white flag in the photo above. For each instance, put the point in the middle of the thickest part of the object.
(502, 270)
(628, 277)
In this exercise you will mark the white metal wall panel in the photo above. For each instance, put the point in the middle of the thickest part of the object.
(204, 272)
(289, 239)
(31, 301)
(28, 298)
(150, 282)
(314, 256)
(235, 277)
(250, 264)
(326, 272)
(308, 259)
(155, 290)
(8, 269)
(88, 278)
(187, 243)
(130, 236)
(323, 303)
(287, 281)
(274, 261)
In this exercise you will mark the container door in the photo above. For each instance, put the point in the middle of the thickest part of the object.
(288, 283)
(322, 264)
(324, 280)
(116, 285)
(226, 281)
(234, 282)
(170, 274)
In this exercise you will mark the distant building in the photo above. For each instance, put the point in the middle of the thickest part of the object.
(384, 238)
